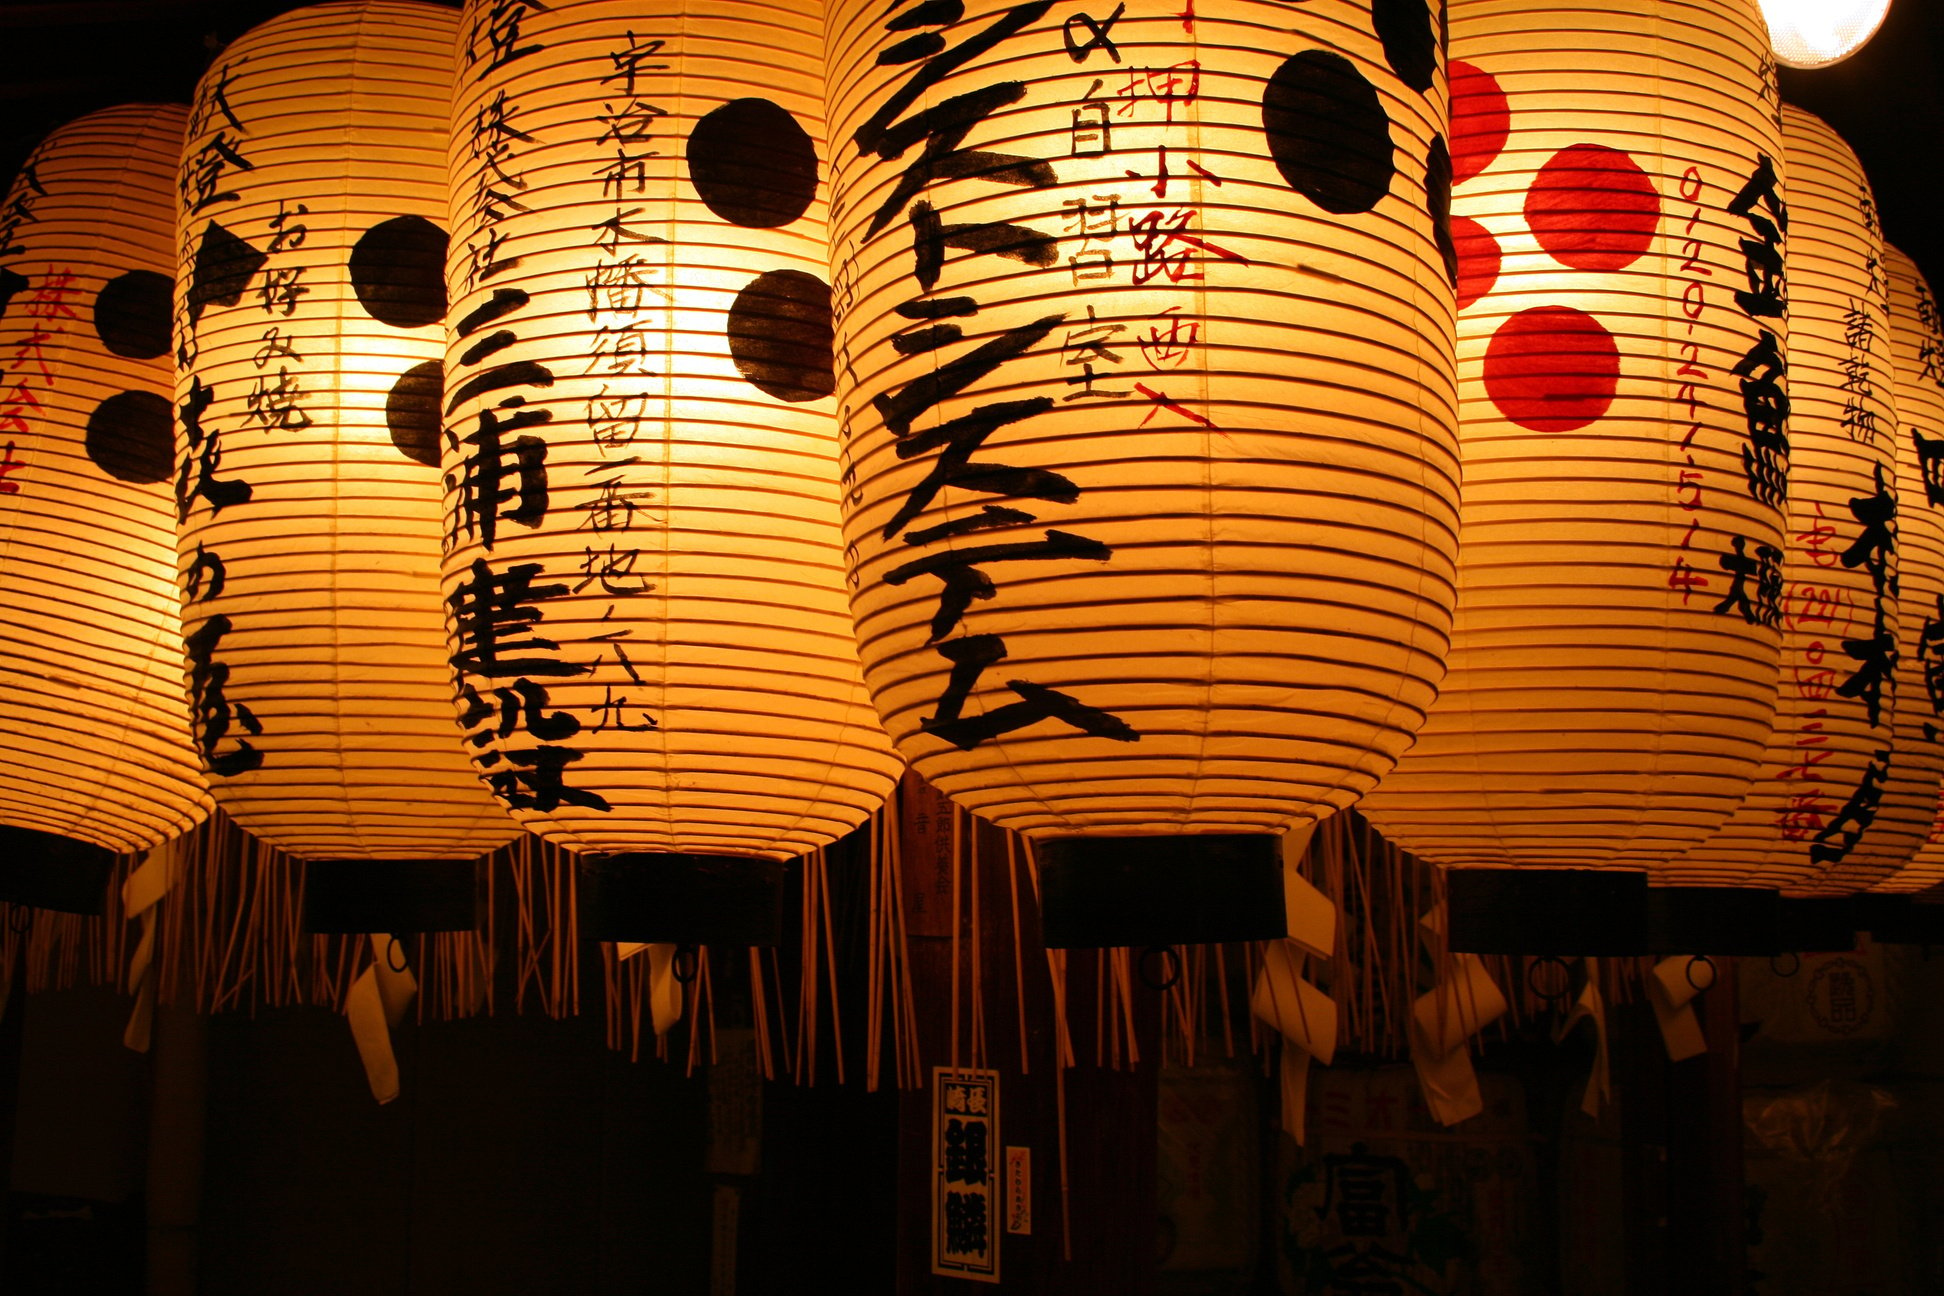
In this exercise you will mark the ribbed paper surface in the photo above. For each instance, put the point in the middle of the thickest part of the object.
(1144, 352)
(94, 727)
(1831, 750)
(309, 301)
(644, 566)
(1620, 351)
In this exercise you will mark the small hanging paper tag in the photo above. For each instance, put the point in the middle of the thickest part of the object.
(397, 987)
(664, 991)
(1591, 1007)
(1459, 1007)
(1301, 1013)
(1019, 1190)
(1443, 1019)
(1309, 914)
(1450, 1085)
(1671, 988)
(365, 1009)
(142, 890)
(378, 1002)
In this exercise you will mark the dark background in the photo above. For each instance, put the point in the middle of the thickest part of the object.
(69, 58)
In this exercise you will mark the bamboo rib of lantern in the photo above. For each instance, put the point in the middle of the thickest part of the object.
(95, 753)
(643, 570)
(1144, 354)
(1617, 215)
(309, 305)
(1806, 822)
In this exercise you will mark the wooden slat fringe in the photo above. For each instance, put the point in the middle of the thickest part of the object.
(64, 950)
(229, 938)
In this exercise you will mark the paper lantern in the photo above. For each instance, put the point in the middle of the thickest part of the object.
(1816, 33)
(308, 315)
(1909, 811)
(1144, 357)
(1618, 217)
(644, 571)
(94, 732)
(1829, 753)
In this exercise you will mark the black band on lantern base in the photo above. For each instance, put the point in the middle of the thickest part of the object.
(48, 871)
(1899, 919)
(398, 897)
(1712, 920)
(682, 899)
(1815, 925)
(1565, 912)
(1192, 889)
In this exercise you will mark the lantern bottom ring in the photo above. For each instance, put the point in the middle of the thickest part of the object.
(45, 870)
(1188, 889)
(681, 899)
(399, 896)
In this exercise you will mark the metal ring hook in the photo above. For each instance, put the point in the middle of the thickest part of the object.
(686, 964)
(395, 954)
(1565, 989)
(1793, 968)
(1170, 957)
(1714, 973)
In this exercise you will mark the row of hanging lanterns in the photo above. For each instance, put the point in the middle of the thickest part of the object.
(567, 361)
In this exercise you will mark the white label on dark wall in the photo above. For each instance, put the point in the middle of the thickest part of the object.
(965, 1183)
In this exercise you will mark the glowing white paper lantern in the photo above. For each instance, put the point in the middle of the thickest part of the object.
(1830, 750)
(1816, 33)
(94, 732)
(1910, 810)
(644, 568)
(309, 308)
(1618, 218)
(1144, 359)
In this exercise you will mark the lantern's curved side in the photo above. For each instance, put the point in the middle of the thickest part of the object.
(1833, 739)
(640, 444)
(1622, 418)
(1910, 807)
(308, 308)
(94, 729)
(1146, 377)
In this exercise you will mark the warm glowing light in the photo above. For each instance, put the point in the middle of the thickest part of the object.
(1622, 410)
(310, 301)
(1146, 364)
(1910, 800)
(644, 569)
(1813, 820)
(94, 730)
(1816, 33)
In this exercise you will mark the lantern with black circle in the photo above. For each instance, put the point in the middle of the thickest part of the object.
(644, 575)
(95, 751)
(309, 308)
(1623, 410)
(1144, 356)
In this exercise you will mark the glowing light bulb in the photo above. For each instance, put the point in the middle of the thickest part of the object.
(1816, 33)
